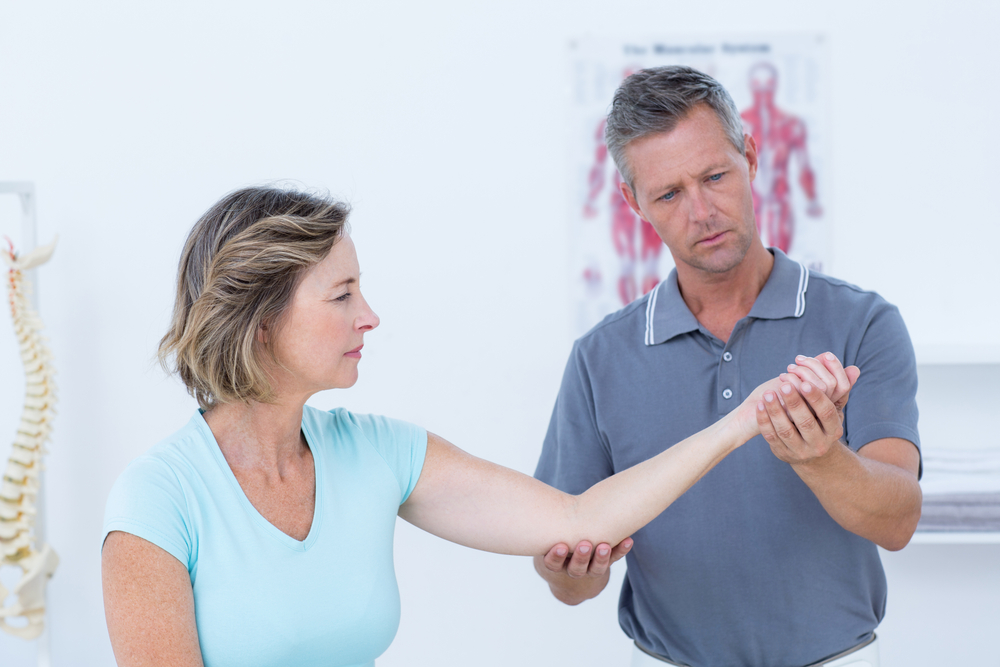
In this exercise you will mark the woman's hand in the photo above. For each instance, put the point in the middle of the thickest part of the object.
(824, 372)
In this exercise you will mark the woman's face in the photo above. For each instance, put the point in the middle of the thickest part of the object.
(321, 338)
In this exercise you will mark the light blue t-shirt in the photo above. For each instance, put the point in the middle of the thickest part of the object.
(262, 597)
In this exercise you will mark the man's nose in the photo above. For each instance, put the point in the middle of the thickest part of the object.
(701, 208)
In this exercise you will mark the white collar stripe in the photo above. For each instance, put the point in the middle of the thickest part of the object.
(800, 296)
(650, 311)
(649, 322)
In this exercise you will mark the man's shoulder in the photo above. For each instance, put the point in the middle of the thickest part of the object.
(842, 309)
(623, 324)
(836, 290)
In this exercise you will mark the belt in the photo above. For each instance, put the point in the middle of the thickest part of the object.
(820, 663)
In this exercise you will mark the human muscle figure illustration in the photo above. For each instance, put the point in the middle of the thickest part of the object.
(779, 135)
(625, 226)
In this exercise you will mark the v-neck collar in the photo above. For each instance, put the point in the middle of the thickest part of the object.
(258, 518)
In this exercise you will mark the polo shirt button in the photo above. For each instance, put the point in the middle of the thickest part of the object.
(728, 356)
(727, 393)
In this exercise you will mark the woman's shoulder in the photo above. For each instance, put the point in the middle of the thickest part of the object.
(384, 442)
(182, 448)
(342, 424)
(152, 496)
(172, 459)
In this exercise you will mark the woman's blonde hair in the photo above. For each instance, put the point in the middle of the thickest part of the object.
(239, 269)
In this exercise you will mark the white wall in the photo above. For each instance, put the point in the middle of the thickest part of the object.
(441, 122)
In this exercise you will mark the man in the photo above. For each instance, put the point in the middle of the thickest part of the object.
(770, 560)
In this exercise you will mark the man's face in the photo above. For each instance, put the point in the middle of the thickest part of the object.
(693, 186)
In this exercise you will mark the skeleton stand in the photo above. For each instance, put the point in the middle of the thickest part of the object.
(29, 239)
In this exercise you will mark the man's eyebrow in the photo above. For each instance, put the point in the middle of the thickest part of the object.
(716, 168)
(661, 190)
(670, 187)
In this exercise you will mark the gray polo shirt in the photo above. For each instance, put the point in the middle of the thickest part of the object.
(747, 568)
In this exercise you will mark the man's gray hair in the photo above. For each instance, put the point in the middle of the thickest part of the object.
(654, 100)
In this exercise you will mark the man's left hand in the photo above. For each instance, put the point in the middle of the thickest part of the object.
(826, 372)
(873, 493)
(799, 422)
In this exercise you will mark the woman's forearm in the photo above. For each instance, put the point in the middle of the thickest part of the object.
(486, 506)
(617, 506)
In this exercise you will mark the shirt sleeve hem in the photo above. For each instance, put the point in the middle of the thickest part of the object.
(874, 432)
(149, 534)
(420, 449)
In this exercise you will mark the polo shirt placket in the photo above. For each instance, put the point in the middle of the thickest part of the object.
(668, 317)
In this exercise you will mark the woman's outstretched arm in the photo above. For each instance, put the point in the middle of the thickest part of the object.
(483, 505)
(486, 506)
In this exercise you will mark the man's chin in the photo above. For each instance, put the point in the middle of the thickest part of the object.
(722, 259)
(719, 261)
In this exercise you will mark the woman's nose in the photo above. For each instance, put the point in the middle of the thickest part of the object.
(368, 319)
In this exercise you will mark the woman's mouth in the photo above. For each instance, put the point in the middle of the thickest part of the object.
(355, 353)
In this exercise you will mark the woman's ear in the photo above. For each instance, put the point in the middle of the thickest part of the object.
(262, 333)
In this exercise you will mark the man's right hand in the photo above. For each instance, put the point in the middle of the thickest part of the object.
(582, 574)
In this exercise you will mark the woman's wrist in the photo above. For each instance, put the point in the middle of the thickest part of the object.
(739, 426)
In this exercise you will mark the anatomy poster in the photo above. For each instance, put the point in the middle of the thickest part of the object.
(780, 86)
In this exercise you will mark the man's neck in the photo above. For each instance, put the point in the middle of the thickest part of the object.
(720, 300)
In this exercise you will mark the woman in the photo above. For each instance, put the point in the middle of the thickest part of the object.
(261, 533)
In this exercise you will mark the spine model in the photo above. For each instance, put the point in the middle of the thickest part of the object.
(20, 484)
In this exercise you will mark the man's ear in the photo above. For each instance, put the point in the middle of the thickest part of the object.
(750, 152)
(630, 199)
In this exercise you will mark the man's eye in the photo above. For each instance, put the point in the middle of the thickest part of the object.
(668, 196)
(715, 177)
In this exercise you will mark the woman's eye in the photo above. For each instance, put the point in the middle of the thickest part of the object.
(343, 297)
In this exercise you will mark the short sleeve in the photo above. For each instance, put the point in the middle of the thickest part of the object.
(147, 501)
(401, 445)
(883, 402)
(574, 456)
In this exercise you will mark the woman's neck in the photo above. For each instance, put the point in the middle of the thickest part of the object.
(258, 435)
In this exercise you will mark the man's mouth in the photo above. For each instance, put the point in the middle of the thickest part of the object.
(714, 238)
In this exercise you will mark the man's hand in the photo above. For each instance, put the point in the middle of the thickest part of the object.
(803, 426)
(582, 574)
(873, 492)
(803, 420)
(823, 372)
(826, 372)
